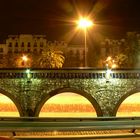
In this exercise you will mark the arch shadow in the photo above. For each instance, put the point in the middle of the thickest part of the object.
(62, 90)
(17, 104)
(123, 98)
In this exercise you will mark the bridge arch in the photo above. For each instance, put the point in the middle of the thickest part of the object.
(13, 99)
(134, 91)
(76, 91)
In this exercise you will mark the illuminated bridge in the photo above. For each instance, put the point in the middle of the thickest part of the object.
(30, 89)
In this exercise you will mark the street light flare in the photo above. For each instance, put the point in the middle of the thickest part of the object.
(84, 23)
(24, 58)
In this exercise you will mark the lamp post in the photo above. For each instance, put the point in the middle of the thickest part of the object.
(85, 23)
(110, 64)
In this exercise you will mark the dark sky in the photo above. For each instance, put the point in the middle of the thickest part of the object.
(54, 17)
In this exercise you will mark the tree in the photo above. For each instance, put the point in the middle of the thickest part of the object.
(126, 52)
(121, 60)
(3, 61)
(133, 48)
(51, 58)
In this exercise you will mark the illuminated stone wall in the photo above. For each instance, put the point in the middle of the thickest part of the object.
(29, 94)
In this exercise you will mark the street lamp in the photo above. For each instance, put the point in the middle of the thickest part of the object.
(28, 73)
(110, 64)
(24, 60)
(85, 23)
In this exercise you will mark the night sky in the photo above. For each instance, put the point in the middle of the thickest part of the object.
(54, 18)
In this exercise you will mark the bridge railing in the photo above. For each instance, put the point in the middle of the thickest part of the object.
(32, 124)
(69, 73)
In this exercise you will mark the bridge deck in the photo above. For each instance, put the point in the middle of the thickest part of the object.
(69, 73)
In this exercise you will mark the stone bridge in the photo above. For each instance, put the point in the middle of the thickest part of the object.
(106, 90)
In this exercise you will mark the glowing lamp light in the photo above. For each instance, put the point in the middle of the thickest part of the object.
(84, 23)
(108, 58)
(108, 72)
(114, 66)
(28, 72)
(24, 58)
(107, 65)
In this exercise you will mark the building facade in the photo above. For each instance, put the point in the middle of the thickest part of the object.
(129, 46)
(27, 43)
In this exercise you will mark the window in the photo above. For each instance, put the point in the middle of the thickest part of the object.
(10, 44)
(35, 44)
(70, 53)
(16, 51)
(22, 44)
(77, 55)
(1, 50)
(35, 50)
(29, 44)
(22, 50)
(41, 50)
(41, 44)
(16, 45)
(9, 51)
(1, 57)
(28, 50)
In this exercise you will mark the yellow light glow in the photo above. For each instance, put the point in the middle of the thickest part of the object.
(106, 64)
(8, 108)
(4, 99)
(84, 23)
(24, 58)
(28, 71)
(63, 98)
(67, 104)
(130, 106)
(114, 66)
(108, 58)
